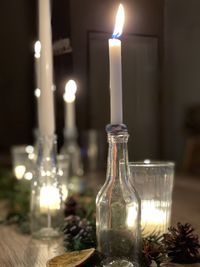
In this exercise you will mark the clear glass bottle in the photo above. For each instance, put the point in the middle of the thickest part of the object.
(118, 206)
(46, 194)
(71, 148)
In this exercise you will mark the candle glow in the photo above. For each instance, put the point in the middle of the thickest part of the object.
(153, 217)
(70, 91)
(119, 22)
(49, 198)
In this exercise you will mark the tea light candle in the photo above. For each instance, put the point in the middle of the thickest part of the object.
(49, 199)
(153, 218)
(116, 69)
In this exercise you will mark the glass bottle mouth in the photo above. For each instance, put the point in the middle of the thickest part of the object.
(117, 133)
(116, 129)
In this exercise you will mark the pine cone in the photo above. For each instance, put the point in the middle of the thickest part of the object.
(73, 207)
(181, 244)
(79, 234)
(152, 251)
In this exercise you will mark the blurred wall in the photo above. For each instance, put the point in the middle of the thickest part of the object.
(181, 70)
(17, 30)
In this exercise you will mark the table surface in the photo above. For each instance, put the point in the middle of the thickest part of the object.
(17, 250)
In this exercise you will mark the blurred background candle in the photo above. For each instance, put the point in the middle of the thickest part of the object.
(69, 98)
(37, 91)
(116, 69)
(46, 102)
(37, 49)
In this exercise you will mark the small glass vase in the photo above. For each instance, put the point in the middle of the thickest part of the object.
(118, 206)
(46, 194)
(71, 148)
(154, 182)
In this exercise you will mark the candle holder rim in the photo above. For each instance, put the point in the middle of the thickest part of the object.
(152, 163)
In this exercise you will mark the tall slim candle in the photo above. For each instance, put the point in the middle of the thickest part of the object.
(69, 97)
(116, 70)
(46, 102)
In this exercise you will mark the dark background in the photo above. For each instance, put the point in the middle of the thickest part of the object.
(176, 24)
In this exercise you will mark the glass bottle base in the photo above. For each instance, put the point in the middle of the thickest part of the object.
(119, 263)
(46, 233)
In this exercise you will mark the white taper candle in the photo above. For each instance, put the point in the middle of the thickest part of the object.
(116, 70)
(46, 99)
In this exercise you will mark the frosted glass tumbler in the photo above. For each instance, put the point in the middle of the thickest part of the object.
(154, 184)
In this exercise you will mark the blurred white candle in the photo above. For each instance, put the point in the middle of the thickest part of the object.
(116, 69)
(46, 102)
(69, 98)
(49, 199)
(37, 49)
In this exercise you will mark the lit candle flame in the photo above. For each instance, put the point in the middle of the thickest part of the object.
(37, 49)
(70, 91)
(119, 22)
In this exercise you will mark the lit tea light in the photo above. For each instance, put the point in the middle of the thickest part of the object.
(153, 217)
(19, 171)
(50, 198)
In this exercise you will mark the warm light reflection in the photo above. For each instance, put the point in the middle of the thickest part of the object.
(29, 149)
(131, 216)
(70, 91)
(37, 49)
(37, 92)
(28, 176)
(119, 22)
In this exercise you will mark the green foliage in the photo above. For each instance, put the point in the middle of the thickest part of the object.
(78, 233)
(21, 196)
(16, 191)
(7, 181)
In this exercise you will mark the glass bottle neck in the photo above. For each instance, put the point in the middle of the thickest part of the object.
(117, 154)
(47, 152)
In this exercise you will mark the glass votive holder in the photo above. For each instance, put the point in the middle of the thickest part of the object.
(19, 160)
(154, 184)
